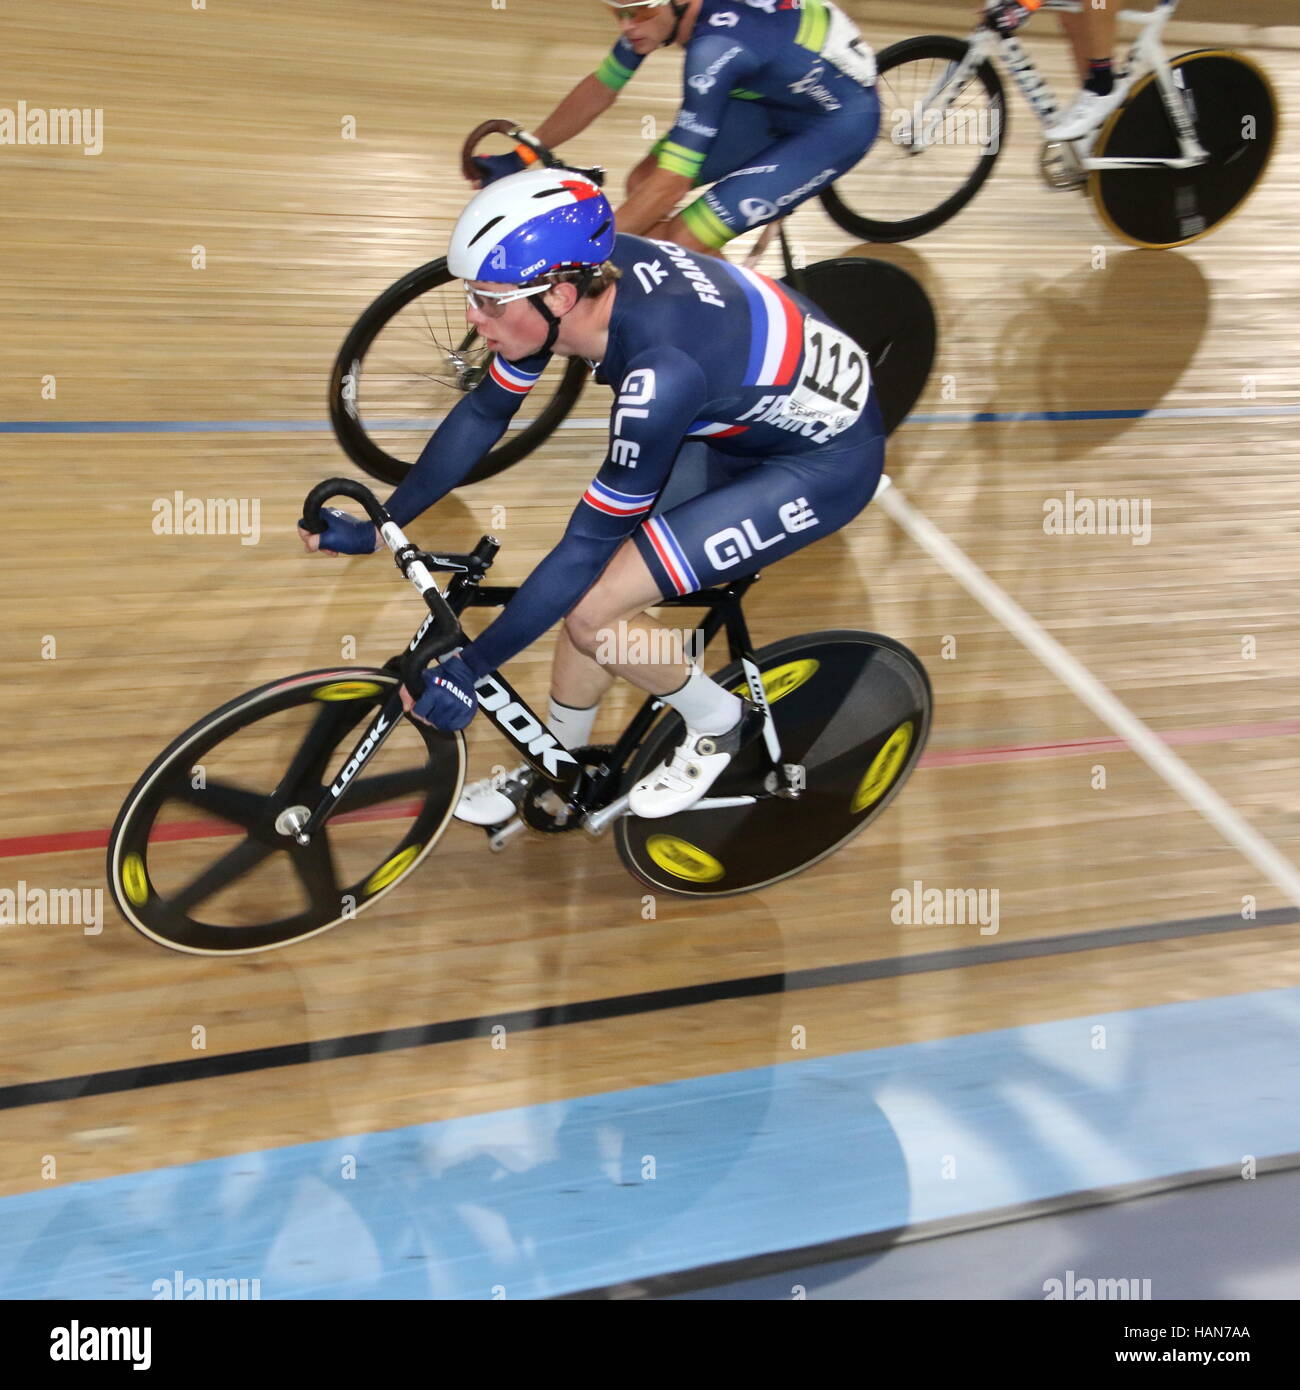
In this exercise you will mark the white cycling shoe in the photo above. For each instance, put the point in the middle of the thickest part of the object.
(492, 800)
(697, 762)
(1084, 114)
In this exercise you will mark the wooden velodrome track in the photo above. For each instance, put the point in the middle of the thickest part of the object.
(222, 130)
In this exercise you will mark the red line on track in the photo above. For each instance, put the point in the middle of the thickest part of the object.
(62, 842)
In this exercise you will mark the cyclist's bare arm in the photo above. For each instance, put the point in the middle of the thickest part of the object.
(652, 203)
(576, 112)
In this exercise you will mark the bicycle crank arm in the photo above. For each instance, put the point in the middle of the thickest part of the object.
(597, 822)
(499, 838)
(1143, 162)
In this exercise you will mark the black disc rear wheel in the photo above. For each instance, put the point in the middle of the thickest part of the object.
(852, 707)
(1232, 105)
(203, 858)
(408, 359)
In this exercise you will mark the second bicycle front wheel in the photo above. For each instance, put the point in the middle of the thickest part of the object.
(203, 857)
(935, 148)
(853, 707)
(407, 361)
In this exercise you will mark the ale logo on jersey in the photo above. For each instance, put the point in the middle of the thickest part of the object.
(733, 544)
(725, 20)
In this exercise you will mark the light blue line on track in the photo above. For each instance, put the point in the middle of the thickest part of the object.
(942, 417)
(567, 1195)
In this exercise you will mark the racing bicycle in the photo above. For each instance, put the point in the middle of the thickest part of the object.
(1182, 153)
(300, 804)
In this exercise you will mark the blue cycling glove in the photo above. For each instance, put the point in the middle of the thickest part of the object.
(497, 166)
(449, 701)
(349, 535)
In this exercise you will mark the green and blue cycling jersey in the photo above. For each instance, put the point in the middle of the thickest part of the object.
(778, 100)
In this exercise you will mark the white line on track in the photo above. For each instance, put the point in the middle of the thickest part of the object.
(1144, 742)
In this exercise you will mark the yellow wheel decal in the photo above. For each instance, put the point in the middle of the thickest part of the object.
(135, 881)
(346, 690)
(781, 680)
(884, 769)
(683, 860)
(393, 870)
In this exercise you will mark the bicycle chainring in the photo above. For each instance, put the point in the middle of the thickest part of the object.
(542, 807)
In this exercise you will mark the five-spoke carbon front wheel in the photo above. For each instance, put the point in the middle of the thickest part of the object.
(204, 858)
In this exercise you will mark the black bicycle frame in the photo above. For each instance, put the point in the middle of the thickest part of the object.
(509, 711)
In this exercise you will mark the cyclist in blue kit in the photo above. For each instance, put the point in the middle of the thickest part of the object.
(778, 101)
(744, 427)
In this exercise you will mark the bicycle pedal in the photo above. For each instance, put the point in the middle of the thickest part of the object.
(791, 784)
(1059, 166)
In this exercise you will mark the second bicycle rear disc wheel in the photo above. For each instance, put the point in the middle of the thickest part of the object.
(887, 313)
(1235, 114)
(853, 707)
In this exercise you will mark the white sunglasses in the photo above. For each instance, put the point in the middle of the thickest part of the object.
(635, 7)
(492, 302)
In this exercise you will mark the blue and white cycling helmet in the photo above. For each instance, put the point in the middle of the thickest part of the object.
(531, 224)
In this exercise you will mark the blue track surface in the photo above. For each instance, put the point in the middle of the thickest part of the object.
(568, 1195)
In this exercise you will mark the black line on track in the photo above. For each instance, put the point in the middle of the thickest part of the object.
(620, 1006)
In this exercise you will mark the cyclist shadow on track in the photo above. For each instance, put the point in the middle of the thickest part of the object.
(1072, 346)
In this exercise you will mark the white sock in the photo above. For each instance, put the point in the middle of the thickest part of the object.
(705, 705)
(571, 726)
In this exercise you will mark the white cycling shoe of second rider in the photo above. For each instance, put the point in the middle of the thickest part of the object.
(489, 801)
(1084, 114)
(697, 763)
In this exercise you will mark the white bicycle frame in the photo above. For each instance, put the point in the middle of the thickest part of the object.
(1146, 54)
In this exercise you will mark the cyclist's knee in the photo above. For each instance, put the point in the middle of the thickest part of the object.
(584, 624)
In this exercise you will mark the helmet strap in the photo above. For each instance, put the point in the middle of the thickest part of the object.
(553, 331)
(679, 11)
(538, 302)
